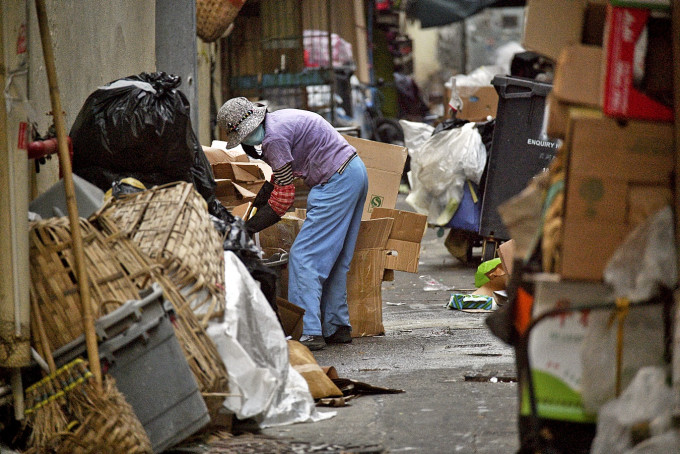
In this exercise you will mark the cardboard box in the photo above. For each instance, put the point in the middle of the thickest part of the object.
(478, 102)
(403, 244)
(587, 246)
(384, 165)
(615, 200)
(555, 347)
(402, 255)
(506, 252)
(578, 76)
(239, 171)
(364, 292)
(551, 25)
(634, 151)
(625, 96)
(365, 276)
(373, 233)
(407, 226)
(231, 194)
(280, 236)
(558, 117)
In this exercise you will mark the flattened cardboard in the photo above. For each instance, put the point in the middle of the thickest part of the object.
(478, 103)
(635, 151)
(217, 155)
(373, 233)
(402, 255)
(506, 252)
(578, 76)
(384, 165)
(364, 292)
(242, 211)
(408, 226)
(291, 317)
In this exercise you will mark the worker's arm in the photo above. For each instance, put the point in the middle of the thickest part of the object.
(279, 201)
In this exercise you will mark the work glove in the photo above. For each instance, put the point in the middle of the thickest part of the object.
(263, 195)
(264, 217)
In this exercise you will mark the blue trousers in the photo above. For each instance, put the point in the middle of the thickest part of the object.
(321, 253)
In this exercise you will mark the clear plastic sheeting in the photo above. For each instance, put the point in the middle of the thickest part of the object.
(262, 383)
(439, 168)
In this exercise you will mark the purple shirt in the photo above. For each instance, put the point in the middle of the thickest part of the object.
(306, 140)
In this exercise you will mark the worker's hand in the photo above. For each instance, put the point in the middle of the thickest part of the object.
(263, 218)
(263, 194)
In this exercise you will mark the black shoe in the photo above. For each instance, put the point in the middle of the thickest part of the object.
(343, 335)
(313, 342)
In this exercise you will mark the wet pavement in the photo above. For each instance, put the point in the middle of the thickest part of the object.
(460, 394)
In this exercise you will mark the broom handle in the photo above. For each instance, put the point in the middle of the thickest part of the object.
(65, 165)
(42, 336)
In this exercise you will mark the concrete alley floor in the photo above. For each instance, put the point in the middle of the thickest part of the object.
(444, 360)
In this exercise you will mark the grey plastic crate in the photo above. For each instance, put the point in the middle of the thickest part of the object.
(52, 203)
(152, 373)
(151, 305)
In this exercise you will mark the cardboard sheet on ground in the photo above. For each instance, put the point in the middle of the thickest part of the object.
(249, 339)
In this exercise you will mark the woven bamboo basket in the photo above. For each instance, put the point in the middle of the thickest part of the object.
(214, 16)
(171, 224)
(53, 277)
(199, 349)
(118, 271)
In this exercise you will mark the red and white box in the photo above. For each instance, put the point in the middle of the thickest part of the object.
(626, 54)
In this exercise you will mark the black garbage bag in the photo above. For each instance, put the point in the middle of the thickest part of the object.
(139, 126)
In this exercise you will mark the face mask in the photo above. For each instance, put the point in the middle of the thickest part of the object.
(255, 137)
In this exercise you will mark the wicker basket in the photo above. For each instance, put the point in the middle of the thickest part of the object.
(214, 16)
(171, 224)
(118, 270)
(199, 350)
(54, 283)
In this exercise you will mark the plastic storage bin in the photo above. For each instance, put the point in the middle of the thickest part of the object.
(52, 203)
(140, 350)
(519, 150)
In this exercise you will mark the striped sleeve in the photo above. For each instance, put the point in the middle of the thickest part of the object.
(284, 175)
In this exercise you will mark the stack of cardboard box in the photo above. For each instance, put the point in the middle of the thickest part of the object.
(388, 242)
(618, 138)
(610, 106)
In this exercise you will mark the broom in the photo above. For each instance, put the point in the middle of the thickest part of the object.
(100, 420)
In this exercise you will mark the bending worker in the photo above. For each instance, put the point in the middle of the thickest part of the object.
(299, 143)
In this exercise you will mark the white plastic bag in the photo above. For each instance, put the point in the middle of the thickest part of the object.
(645, 260)
(643, 345)
(440, 167)
(251, 342)
(646, 398)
